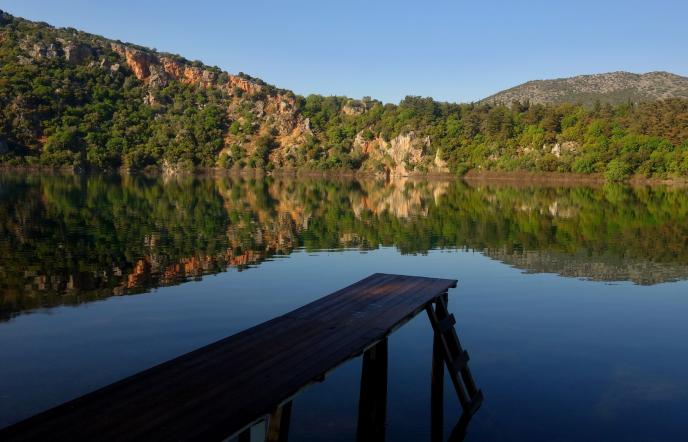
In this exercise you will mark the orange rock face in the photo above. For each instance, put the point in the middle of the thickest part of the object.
(172, 67)
(187, 74)
(141, 64)
(243, 84)
(138, 61)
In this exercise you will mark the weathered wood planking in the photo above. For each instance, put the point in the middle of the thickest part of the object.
(218, 390)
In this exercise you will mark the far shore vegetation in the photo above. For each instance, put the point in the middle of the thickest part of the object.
(55, 112)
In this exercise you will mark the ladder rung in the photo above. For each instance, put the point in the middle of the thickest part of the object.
(446, 323)
(460, 361)
(476, 402)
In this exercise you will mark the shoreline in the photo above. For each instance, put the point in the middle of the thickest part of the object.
(473, 176)
(564, 178)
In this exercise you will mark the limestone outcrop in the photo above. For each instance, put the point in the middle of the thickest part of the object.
(404, 155)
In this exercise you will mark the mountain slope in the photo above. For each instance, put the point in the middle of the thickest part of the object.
(73, 99)
(613, 88)
(68, 86)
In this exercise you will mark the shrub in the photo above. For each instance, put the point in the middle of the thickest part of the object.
(617, 171)
(225, 161)
(586, 163)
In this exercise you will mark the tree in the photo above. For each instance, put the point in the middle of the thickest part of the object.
(617, 170)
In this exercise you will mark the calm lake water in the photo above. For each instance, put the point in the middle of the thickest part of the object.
(572, 301)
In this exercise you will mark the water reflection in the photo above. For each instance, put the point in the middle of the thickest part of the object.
(71, 239)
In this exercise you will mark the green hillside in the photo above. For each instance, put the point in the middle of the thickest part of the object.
(72, 99)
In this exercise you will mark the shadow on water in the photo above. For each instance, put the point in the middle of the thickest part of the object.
(74, 239)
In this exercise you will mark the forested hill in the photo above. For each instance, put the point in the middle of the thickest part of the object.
(68, 98)
(613, 88)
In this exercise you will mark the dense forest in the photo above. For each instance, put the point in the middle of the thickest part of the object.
(68, 98)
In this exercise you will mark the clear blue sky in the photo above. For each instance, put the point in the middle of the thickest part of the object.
(454, 50)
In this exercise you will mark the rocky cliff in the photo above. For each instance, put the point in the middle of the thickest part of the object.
(270, 111)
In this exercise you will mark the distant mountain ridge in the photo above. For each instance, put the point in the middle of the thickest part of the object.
(613, 88)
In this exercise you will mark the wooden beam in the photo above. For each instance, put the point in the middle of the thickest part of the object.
(455, 356)
(278, 424)
(372, 405)
(458, 433)
(466, 375)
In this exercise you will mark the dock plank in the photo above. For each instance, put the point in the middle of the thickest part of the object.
(217, 390)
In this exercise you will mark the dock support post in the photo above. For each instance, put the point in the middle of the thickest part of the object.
(372, 404)
(278, 424)
(437, 391)
(245, 436)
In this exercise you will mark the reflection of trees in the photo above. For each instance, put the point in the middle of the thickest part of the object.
(606, 267)
(69, 239)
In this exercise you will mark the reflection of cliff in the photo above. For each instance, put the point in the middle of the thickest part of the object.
(66, 239)
(595, 268)
(402, 198)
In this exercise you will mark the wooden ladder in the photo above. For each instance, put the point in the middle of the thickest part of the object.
(446, 346)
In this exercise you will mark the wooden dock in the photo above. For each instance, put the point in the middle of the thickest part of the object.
(220, 390)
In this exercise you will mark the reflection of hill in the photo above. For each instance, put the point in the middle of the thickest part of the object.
(595, 268)
(66, 239)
